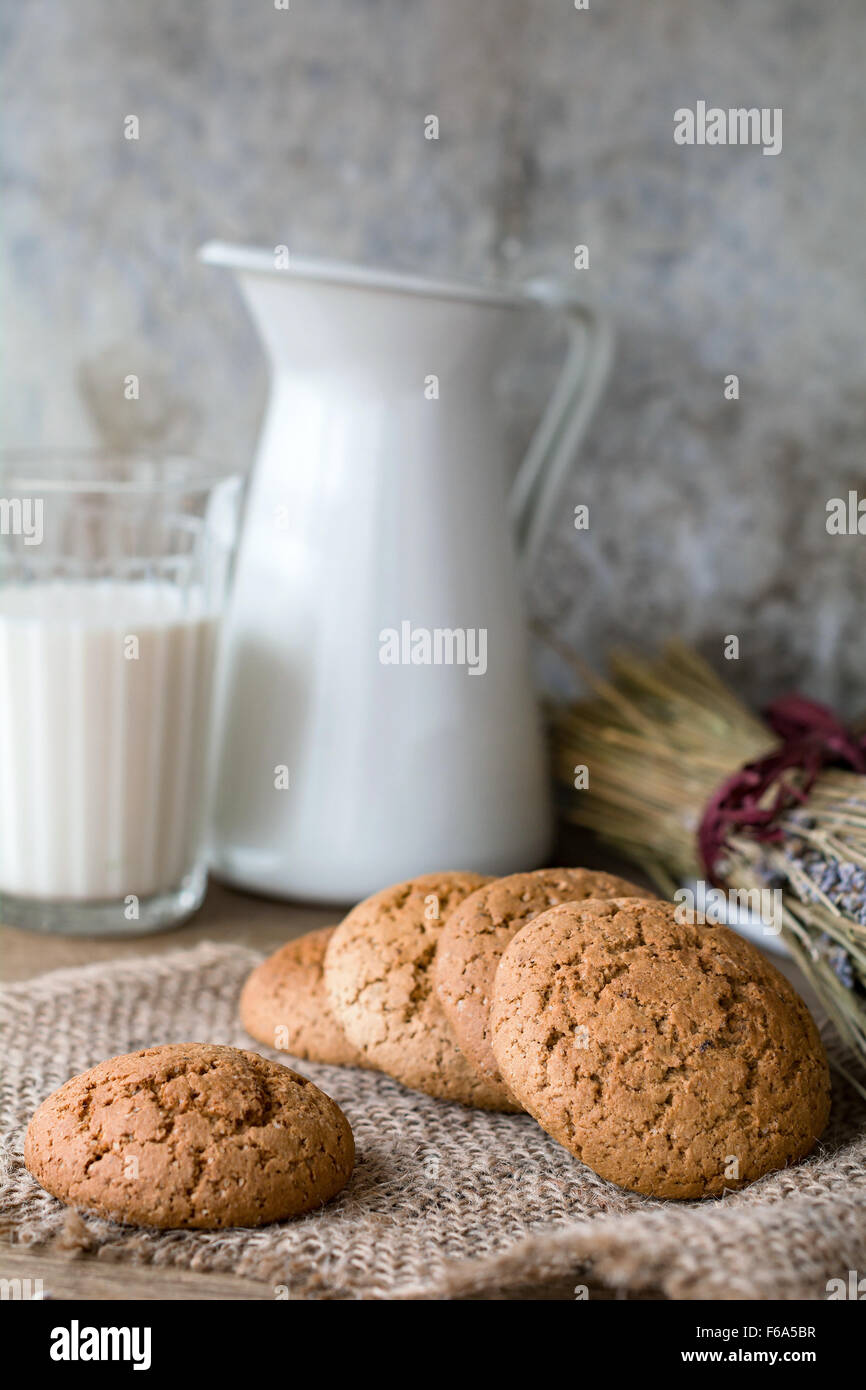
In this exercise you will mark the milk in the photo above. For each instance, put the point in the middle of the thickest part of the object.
(104, 718)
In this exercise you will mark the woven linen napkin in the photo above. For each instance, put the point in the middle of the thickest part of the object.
(445, 1201)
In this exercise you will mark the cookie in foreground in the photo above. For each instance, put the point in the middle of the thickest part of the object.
(192, 1136)
(283, 1003)
(673, 1059)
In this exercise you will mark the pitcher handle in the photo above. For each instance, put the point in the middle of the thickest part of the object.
(564, 423)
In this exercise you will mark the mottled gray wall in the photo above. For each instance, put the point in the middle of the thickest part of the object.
(306, 128)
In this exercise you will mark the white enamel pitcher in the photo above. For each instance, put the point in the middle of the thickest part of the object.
(375, 716)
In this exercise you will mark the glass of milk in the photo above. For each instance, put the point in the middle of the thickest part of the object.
(113, 576)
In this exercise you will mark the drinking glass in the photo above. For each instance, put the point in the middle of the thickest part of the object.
(113, 576)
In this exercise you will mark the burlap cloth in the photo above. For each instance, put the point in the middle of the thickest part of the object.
(444, 1201)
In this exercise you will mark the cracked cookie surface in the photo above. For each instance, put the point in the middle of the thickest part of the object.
(476, 934)
(190, 1135)
(284, 1004)
(378, 975)
(672, 1058)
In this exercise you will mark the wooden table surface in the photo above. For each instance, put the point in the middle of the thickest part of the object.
(227, 916)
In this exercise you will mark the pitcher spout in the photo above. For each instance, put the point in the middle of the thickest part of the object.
(314, 315)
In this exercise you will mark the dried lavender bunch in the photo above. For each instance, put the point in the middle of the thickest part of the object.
(658, 739)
